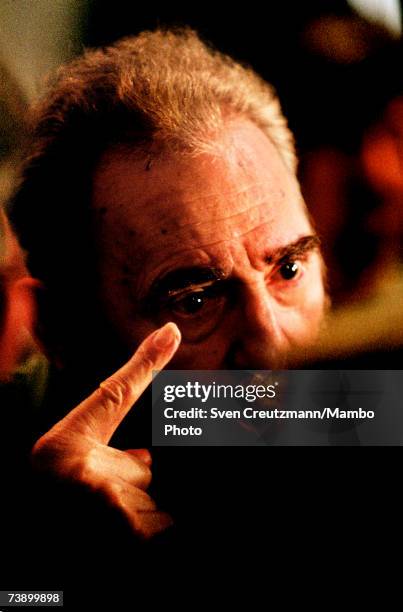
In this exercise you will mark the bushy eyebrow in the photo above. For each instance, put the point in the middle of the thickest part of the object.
(179, 280)
(185, 278)
(182, 278)
(295, 249)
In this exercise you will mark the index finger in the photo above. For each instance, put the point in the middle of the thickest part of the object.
(99, 415)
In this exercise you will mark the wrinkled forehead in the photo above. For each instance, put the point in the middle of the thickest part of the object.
(154, 206)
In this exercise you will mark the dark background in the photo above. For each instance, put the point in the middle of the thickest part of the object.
(319, 94)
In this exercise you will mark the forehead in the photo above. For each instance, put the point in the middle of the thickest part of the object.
(175, 207)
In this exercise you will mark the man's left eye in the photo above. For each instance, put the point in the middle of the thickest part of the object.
(197, 311)
(190, 304)
(289, 270)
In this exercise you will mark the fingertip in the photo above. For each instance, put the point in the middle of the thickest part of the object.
(167, 337)
(175, 330)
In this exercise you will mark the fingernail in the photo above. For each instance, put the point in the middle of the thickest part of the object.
(166, 336)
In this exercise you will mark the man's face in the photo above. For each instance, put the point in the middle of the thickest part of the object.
(218, 243)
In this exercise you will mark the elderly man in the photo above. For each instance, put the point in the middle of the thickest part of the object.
(161, 214)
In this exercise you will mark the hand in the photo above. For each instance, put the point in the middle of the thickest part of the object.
(76, 448)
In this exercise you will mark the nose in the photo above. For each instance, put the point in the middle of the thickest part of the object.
(259, 341)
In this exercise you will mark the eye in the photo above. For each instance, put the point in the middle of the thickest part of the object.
(289, 270)
(288, 277)
(190, 304)
(201, 303)
(197, 311)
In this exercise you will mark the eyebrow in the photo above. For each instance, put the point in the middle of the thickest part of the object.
(295, 249)
(186, 278)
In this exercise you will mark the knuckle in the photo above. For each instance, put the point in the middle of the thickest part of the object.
(48, 457)
(80, 473)
(147, 473)
(47, 452)
(39, 447)
(142, 475)
(147, 502)
(137, 524)
(114, 391)
(40, 452)
(85, 469)
(146, 362)
(114, 492)
(148, 524)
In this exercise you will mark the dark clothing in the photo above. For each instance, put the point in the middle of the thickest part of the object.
(230, 506)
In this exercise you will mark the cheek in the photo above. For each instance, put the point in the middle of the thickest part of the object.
(309, 317)
(316, 299)
(207, 355)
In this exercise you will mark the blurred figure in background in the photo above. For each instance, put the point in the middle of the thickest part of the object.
(34, 39)
(355, 75)
(16, 307)
(381, 157)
